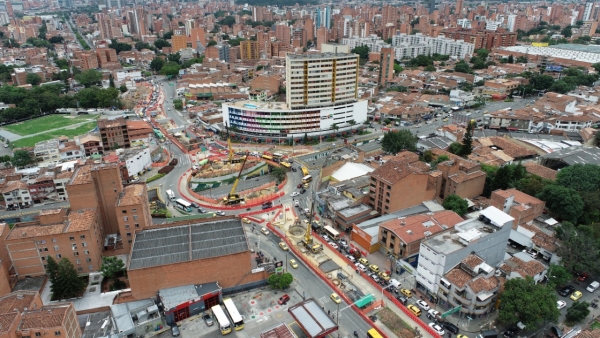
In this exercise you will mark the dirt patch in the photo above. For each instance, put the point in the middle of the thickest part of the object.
(106, 283)
(395, 323)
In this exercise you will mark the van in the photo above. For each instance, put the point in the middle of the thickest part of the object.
(488, 334)
(450, 327)
(415, 310)
(395, 284)
(592, 287)
(380, 139)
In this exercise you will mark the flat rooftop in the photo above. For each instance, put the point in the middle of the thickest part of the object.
(319, 56)
(184, 243)
(587, 55)
(175, 296)
(349, 212)
(312, 318)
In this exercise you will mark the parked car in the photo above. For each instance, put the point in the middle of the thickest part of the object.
(299, 186)
(438, 329)
(195, 205)
(450, 327)
(220, 213)
(582, 277)
(175, 331)
(293, 263)
(423, 305)
(576, 295)
(208, 320)
(264, 231)
(566, 291)
(294, 194)
(283, 299)
(406, 292)
(283, 246)
(511, 332)
(561, 304)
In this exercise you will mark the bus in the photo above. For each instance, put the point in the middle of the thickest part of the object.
(183, 205)
(236, 319)
(285, 164)
(306, 179)
(372, 333)
(305, 171)
(222, 320)
(267, 157)
(332, 233)
(170, 194)
(277, 157)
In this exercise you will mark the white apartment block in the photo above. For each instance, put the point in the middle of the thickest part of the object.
(372, 41)
(317, 80)
(412, 45)
(47, 152)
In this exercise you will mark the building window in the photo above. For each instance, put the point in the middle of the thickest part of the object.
(135, 217)
(86, 252)
(129, 234)
(58, 256)
(125, 218)
(126, 226)
(79, 269)
(91, 267)
(83, 244)
(56, 248)
(78, 261)
(71, 238)
(124, 211)
(54, 240)
(43, 258)
(133, 210)
(82, 237)
(75, 253)
(74, 246)
(137, 225)
(88, 259)
(38, 334)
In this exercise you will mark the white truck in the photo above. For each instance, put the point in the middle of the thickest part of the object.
(170, 194)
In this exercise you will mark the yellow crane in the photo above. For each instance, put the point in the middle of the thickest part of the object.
(308, 240)
(231, 155)
(233, 197)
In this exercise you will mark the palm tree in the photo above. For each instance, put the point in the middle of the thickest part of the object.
(335, 127)
(351, 122)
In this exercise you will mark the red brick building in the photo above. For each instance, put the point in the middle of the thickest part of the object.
(483, 38)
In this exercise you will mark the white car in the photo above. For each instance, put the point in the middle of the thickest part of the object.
(351, 258)
(561, 304)
(433, 313)
(423, 305)
(296, 203)
(361, 267)
(294, 194)
(333, 245)
(438, 329)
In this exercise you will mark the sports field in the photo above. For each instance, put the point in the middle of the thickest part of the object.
(68, 131)
(45, 123)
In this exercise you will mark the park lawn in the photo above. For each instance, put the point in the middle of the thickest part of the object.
(31, 141)
(595, 325)
(44, 123)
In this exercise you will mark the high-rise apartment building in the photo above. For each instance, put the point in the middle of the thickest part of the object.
(321, 98)
(322, 38)
(179, 43)
(316, 80)
(223, 52)
(198, 37)
(386, 65)
(114, 133)
(249, 50)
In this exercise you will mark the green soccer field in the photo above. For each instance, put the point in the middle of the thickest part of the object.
(46, 123)
(69, 132)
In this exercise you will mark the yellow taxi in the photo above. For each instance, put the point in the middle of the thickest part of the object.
(415, 310)
(283, 246)
(384, 276)
(364, 261)
(576, 295)
(406, 292)
(335, 298)
(293, 263)
(245, 220)
(374, 268)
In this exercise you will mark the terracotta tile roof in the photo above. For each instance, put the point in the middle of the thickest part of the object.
(80, 220)
(458, 277)
(510, 148)
(82, 175)
(419, 224)
(482, 283)
(63, 175)
(399, 167)
(14, 185)
(520, 197)
(472, 261)
(6, 320)
(35, 230)
(461, 176)
(514, 264)
(17, 300)
(463, 163)
(540, 170)
(589, 334)
(46, 317)
(131, 195)
(541, 238)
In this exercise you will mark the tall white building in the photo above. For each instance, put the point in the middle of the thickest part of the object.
(418, 44)
(587, 12)
(321, 99)
(316, 80)
(374, 42)
(511, 22)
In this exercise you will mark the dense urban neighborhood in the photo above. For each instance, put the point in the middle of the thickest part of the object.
(299, 169)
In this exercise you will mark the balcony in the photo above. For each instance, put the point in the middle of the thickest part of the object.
(485, 302)
(461, 299)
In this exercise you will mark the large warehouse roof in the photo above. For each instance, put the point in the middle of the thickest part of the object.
(575, 155)
(185, 243)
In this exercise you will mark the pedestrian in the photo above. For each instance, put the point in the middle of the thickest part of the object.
(328, 312)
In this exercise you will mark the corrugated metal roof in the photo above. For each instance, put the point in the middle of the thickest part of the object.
(311, 317)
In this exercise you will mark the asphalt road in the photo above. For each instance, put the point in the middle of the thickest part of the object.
(243, 185)
(306, 281)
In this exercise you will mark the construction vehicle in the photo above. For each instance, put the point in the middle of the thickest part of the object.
(233, 197)
(231, 155)
(308, 240)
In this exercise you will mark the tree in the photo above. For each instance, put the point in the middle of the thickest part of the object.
(596, 66)
(211, 43)
(120, 46)
(21, 158)
(362, 51)
(280, 281)
(110, 268)
(56, 39)
(398, 69)
(455, 148)
(156, 64)
(462, 67)
(442, 158)
(532, 184)
(430, 68)
(123, 88)
(456, 203)
(52, 272)
(467, 142)
(562, 202)
(558, 275)
(541, 82)
(111, 81)
(89, 77)
(396, 141)
(33, 79)
(482, 53)
(335, 127)
(577, 312)
(526, 302)
(580, 249)
(580, 177)
(70, 284)
(175, 57)
(170, 68)
(567, 32)
(522, 59)
(279, 173)
(160, 43)
(511, 59)
(62, 63)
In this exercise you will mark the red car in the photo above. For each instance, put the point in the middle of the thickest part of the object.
(299, 186)
(582, 277)
(284, 299)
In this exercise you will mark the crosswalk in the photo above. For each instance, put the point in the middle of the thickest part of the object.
(183, 159)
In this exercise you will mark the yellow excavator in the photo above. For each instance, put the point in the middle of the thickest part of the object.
(233, 197)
